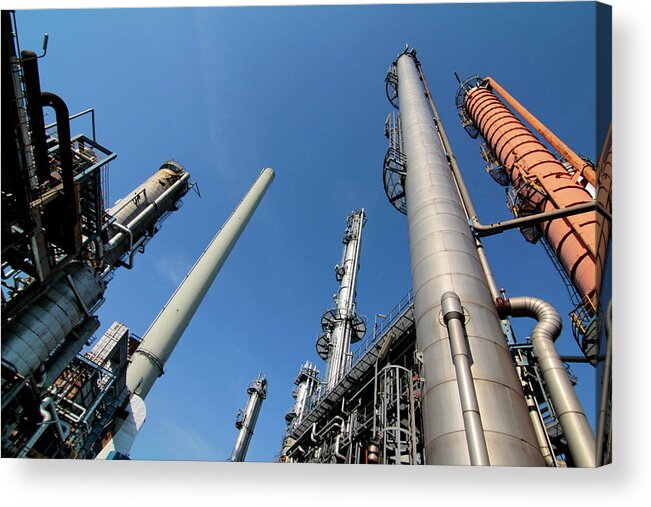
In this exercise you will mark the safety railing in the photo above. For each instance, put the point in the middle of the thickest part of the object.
(404, 304)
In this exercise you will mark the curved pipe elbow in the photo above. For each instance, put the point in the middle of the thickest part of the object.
(549, 320)
(581, 441)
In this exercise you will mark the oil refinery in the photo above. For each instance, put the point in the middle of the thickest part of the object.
(446, 373)
(61, 245)
(445, 380)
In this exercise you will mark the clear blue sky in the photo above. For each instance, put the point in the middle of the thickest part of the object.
(226, 91)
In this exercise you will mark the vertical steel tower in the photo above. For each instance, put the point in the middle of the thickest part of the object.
(246, 419)
(444, 261)
(306, 383)
(341, 325)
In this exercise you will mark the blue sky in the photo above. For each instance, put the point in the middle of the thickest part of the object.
(227, 91)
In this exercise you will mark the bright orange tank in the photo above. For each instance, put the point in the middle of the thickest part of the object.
(542, 182)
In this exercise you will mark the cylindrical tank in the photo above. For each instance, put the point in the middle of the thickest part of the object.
(444, 258)
(36, 332)
(542, 181)
(143, 207)
(164, 333)
(257, 393)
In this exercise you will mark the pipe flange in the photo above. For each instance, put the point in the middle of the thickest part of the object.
(153, 358)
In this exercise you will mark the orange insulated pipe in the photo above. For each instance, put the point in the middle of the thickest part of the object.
(542, 182)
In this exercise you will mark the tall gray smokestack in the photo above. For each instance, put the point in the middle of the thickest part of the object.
(166, 330)
(444, 258)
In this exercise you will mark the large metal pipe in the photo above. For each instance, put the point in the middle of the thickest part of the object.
(246, 424)
(541, 181)
(444, 258)
(38, 140)
(569, 411)
(164, 333)
(454, 320)
(36, 332)
(72, 205)
(71, 346)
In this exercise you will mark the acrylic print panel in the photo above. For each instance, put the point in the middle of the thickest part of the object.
(136, 328)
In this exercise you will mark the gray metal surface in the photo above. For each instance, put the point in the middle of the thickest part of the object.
(454, 319)
(342, 327)
(444, 258)
(166, 330)
(39, 330)
(70, 347)
(307, 382)
(569, 411)
(257, 394)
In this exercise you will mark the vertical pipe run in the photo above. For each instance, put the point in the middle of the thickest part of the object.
(576, 428)
(444, 258)
(454, 319)
(164, 333)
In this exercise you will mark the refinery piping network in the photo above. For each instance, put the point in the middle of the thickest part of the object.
(441, 380)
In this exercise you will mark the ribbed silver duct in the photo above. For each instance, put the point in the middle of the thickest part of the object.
(70, 347)
(37, 331)
(444, 258)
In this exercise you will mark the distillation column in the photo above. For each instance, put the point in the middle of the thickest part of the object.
(306, 383)
(247, 419)
(341, 325)
(444, 258)
(541, 181)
